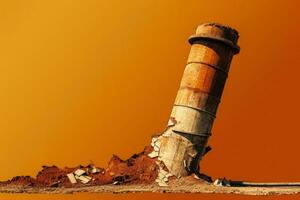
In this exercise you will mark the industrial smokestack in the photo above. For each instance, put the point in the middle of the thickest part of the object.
(184, 141)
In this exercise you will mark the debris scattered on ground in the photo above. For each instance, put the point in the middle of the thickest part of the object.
(20, 181)
(138, 169)
(143, 168)
(79, 174)
(53, 176)
(186, 184)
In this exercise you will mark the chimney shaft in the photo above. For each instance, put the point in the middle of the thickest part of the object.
(184, 141)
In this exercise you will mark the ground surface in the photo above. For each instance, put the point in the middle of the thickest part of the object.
(183, 185)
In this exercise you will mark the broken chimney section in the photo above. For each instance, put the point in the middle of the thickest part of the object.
(184, 141)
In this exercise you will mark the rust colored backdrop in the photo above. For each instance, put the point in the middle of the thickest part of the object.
(81, 80)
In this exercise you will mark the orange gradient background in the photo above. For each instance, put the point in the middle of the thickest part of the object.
(82, 80)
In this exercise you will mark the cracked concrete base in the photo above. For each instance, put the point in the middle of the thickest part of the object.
(182, 185)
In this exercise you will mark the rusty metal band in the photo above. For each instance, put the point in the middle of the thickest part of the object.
(189, 133)
(197, 109)
(217, 99)
(194, 38)
(212, 66)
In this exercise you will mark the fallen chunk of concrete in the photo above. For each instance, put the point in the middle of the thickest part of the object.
(72, 178)
(79, 172)
(84, 179)
(153, 154)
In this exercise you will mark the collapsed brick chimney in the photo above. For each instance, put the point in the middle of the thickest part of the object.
(184, 141)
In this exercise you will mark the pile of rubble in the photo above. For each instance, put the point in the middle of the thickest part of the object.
(55, 177)
(82, 175)
(143, 168)
(79, 174)
(138, 169)
(20, 181)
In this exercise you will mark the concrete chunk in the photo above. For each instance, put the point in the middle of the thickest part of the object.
(153, 154)
(79, 172)
(84, 179)
(71, 177)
